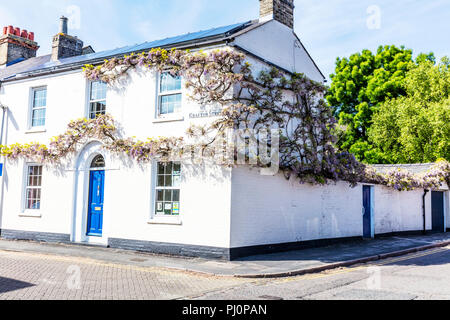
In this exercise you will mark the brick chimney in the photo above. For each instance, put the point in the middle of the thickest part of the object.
(64, 45)
(16, 44)
(279, 10)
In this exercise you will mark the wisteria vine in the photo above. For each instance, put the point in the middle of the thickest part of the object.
(292, 104)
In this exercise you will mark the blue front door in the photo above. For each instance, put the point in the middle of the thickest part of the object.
(95, 207)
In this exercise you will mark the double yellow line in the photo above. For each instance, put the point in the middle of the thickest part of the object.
(365, 266)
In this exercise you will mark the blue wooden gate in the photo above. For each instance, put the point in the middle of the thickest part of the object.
(367, 212)
(437, 209)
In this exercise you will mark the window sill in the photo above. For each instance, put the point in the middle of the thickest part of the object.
(28, 214)
(36, 130)
(175, 221)
(169, 119)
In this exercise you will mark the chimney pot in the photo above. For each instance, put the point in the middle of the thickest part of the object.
(15, 46)
(63, 25)
(64, 45)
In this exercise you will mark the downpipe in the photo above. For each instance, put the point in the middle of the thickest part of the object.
(424, 211)
(4, 109)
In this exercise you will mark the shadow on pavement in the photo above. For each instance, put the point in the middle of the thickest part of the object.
(348, 251)
(8, 285)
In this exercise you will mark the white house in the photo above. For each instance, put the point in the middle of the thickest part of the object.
(208, 210)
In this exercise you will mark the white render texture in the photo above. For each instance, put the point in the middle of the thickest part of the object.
(128, 207)
(277, 43)
(273, 210)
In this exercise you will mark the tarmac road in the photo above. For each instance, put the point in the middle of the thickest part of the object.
(423, 276)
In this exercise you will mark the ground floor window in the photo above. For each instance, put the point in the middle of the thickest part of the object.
(33, 188)
(168, 180)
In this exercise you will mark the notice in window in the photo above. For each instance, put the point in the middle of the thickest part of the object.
(176, 208)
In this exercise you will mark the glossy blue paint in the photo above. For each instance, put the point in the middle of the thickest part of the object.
(1, 169)
(95, 205)
(367, 210)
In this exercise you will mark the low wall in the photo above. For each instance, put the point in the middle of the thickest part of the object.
(269, 210)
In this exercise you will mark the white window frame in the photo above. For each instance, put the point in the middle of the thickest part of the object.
(32, 108)
(174, 115)
(27, 212)
(161, 218)
(89, 101)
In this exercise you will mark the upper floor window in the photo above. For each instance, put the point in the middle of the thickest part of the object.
(97, 99)
(39, 107)
(33, 187)
(168, 189)
(169, 100)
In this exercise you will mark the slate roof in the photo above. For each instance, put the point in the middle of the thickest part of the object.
(20, 67)
(43, 63)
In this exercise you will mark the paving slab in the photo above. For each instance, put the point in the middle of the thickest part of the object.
(261, 266)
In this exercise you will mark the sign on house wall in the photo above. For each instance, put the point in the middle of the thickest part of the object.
(206, 112)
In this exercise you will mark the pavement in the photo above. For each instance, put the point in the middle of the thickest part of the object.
(38, 276)
(285, 264)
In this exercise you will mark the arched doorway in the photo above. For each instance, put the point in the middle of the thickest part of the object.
(96, 197)
(90, 219)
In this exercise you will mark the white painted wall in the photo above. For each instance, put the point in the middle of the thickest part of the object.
(55, 213)
(278, 44)
(270, 209)
(128, 209)
(400, 211)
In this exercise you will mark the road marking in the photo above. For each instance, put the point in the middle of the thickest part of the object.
(362, 267)
(413, 256)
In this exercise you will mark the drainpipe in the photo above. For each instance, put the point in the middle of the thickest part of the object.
(424, 213)
(4, 109)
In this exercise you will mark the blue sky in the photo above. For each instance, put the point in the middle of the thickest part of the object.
(327, 28)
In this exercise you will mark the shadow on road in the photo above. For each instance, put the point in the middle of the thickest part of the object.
(8, 285)
(348, 251)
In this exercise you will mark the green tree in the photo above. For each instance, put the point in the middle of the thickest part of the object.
(416, 128)
(359, 85)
